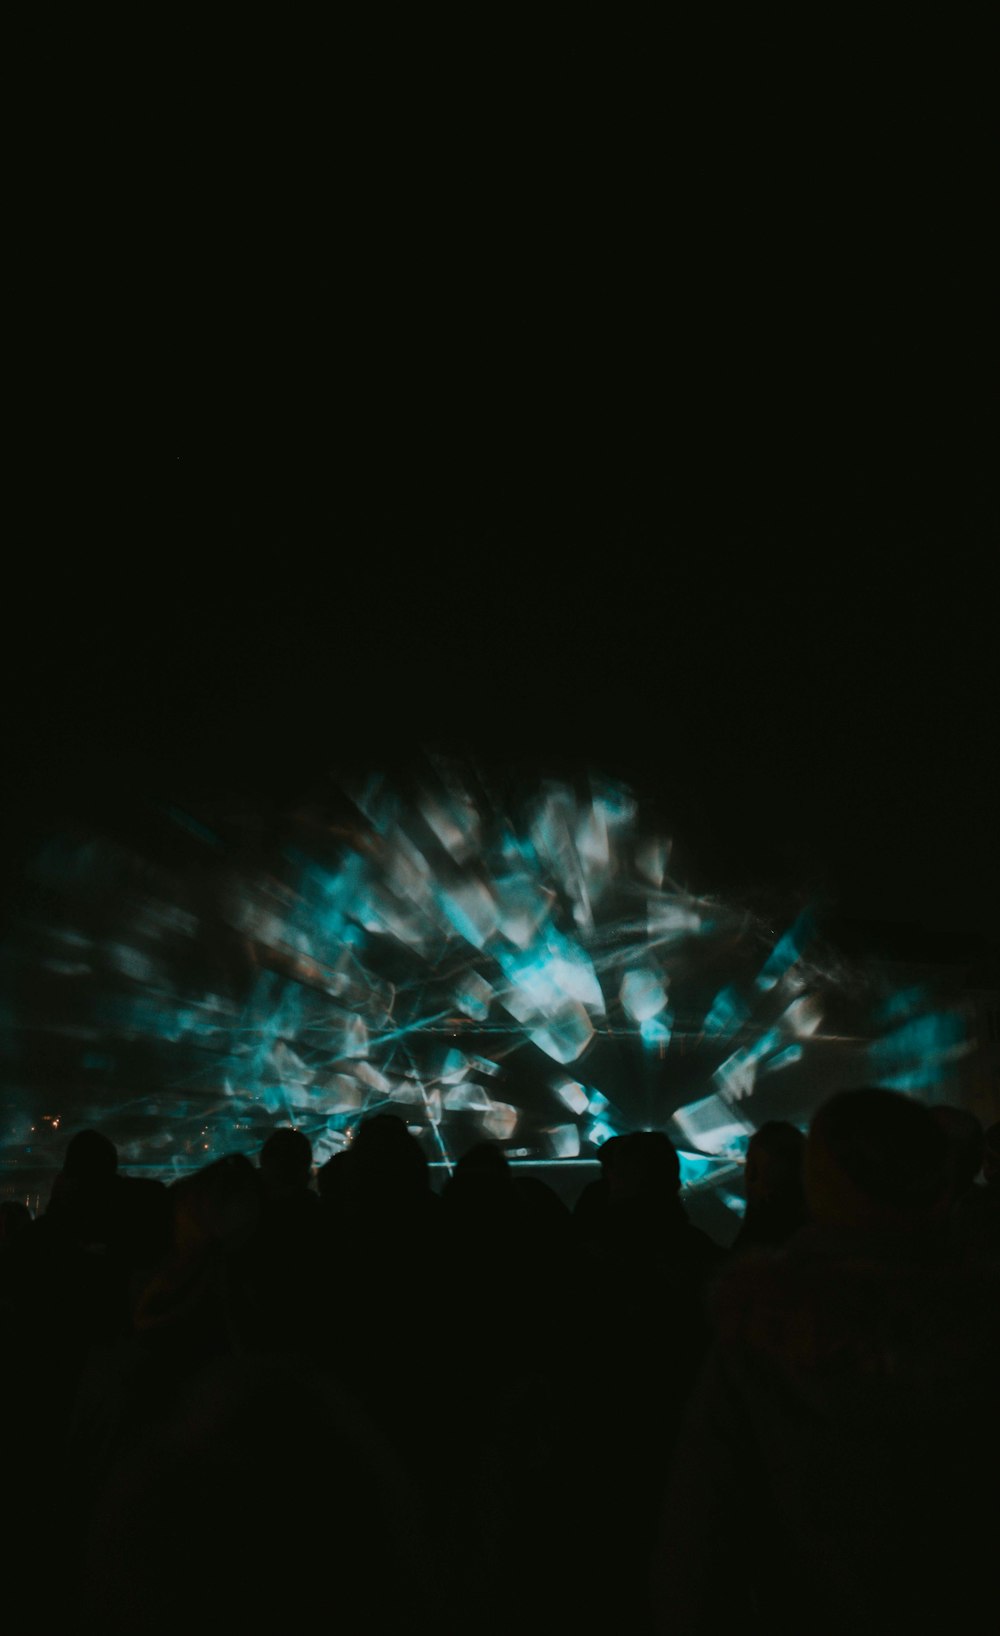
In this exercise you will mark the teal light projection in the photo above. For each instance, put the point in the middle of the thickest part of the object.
(536, 977)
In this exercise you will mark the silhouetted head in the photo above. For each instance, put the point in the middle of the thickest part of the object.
(484, 1162)
(386, 1159)
(966, 1145)
(15, 1218)
(286, 1162)
(875, 1158)
(90, 1157)
(775, 1156)
(606, 1155)
(332, 1177)
(645, 1167)
(991, 1155)
(482, 1181)
(217, 1205)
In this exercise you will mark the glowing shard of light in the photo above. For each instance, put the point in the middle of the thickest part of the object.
(651, 858)
(499, 1121)
(372, 1078)
(522, 909)
(467, 1096)
(573, 1094)
(642, 994)
(905, 1002)
(454, 1067)
(803, 1016)
(669, 920)
(783, 1059)
(563, 1141)
(566, 1037)
(408, 873)
(473, 996)
(656, 1031)
(483, 1065)
(340, 1093)
(407, 1091)
(548, 974)
(726, 1013)
(737, 1075)
(914, 1056)
(695, 1168)
(289, 1067)
(592, 847)
(786, 952)
(598, 1132)
(454, 820)
(712, 1125)
(355, 1040)
(471, 909)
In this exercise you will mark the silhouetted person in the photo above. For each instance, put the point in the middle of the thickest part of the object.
(772, 1177)
(652, 1273)
(977, 1213)
(827, 1472)
(591, 1207)
(286, 1164)
(389, 1169)
(265, 1499)
(194, 1307)
(281, 1266)
(385, 1287)
(966, 1148)
(517, 1328)
(332, 1184)
(15, 1217)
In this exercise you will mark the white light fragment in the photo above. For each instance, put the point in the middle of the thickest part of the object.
(563, 1141)
(483, 1065)
(289, 1067)
(454, 1067)
(369, 1076)
(651, 857)
(737, 1075)
(500, 1121)
(656, 1031)
(642, 994)
(712, 1126)
(565, 1037)
(355, 1041)
(406, 1091)
(340, 1093)
(669, 920)
(803, 1016)
(599, 1132)
(455, 825)
(572, 1093)
(467, 1096)
(471, 910)
(784, 1059)
(521, 909)
(474, 996)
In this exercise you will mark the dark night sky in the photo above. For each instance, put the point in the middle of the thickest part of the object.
(721, 523)
(801, 678)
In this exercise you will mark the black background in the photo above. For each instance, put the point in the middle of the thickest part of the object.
(675, 468)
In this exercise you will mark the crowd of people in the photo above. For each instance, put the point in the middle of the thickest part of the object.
(270, 1392)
